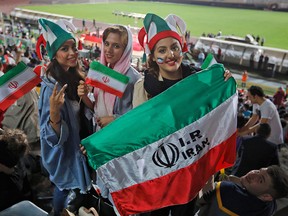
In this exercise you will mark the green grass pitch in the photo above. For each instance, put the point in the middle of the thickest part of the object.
(271, 25)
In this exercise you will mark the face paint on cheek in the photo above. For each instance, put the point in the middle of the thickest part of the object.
(160, 60)
(181, 54)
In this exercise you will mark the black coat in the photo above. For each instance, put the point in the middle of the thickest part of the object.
(255, 153)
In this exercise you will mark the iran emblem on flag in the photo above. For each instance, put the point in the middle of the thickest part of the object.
(106, 79)
(15, 83)
(162, 152)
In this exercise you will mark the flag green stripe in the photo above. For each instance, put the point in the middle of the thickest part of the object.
(96, 66)
(207, 61)
(12, 73)
(140, 126)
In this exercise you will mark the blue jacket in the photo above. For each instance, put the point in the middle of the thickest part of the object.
(61, 156)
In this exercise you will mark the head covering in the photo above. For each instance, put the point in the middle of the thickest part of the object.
(155, 28)
(124, 62)
(54, 35)
(104, 100)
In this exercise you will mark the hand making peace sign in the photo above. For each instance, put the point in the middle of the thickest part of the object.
(57, 99)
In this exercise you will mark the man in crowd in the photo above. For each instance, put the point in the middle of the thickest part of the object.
(264, 111)
(14, 185)
(253, 194)
(256, 152)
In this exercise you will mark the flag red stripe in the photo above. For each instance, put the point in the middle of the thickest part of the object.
(178, 187)
(104, 87)
(4, 104)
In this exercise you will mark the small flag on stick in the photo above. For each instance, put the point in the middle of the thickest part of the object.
(209, 60)
(16, 83)
(106, 79)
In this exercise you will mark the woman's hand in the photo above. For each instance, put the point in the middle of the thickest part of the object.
(57, 99)
(227, 74)
(103, 121)
(82, 89)
(83, 150)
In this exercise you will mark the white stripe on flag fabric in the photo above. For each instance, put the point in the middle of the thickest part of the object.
(161, 142)
(15, 83)
(106, 79)
(182, 158)
(209, 60)
(19, 44)
(190, 142)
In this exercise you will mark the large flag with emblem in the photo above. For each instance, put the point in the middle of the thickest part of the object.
(15, 83)
(106, 79)
(163, 152)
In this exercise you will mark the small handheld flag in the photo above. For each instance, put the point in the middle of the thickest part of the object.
(209, 60)
(16, 83)
(106, 79)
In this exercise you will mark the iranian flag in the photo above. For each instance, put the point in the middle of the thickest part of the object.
(2, 39)
(18, 44)
(209, 61)
(163, 152)
(106, 79)
(15, 83)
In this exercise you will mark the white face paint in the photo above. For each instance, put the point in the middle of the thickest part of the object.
(168, 55)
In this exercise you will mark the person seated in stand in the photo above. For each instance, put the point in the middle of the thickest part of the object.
(256, 152)
(14, 185)
(253, 194)
(264, 111)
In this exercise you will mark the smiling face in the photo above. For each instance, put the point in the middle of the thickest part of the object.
(168, 56)
(257, 182)
(67, 54)
(113, 48)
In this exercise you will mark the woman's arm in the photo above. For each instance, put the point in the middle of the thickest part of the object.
(56, 102)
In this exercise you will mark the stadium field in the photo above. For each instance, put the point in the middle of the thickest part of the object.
(268, 24)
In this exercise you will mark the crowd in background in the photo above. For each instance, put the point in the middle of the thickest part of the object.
(32, 177)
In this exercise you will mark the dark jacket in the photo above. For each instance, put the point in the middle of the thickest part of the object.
(255, 153)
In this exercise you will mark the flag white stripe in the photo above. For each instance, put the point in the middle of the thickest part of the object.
(113, 83)
(213, 61)
(22, 78)
(139, 169)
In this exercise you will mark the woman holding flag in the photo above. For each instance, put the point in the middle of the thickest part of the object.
(62, 120)
(116, 54)
(165, 46)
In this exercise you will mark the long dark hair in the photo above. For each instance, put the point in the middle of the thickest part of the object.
(70, 77)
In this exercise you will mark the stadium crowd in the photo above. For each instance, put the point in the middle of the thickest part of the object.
(43, 166)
